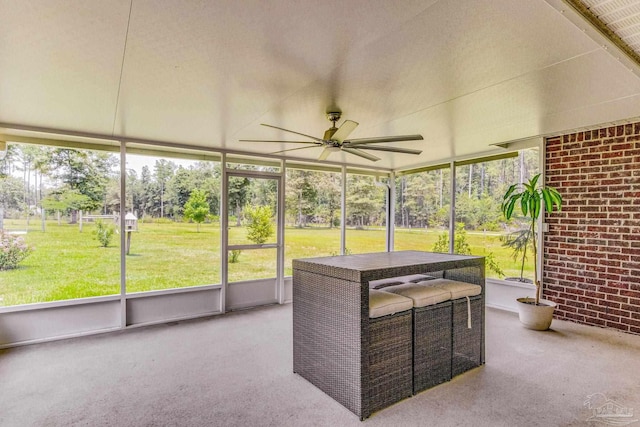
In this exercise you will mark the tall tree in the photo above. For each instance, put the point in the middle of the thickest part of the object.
(179, 188)
(112, 198)
(301, 195)
(163, 171)
(83, 172)
(11, 193)
(329, 186)
(208, 175)
(364, 200)
(238, 190)
(146, 193)
(67, 200)
(7, 163)
(135, 193)
(26, 156)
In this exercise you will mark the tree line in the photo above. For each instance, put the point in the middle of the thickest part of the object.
(424, 199)
(34, 179)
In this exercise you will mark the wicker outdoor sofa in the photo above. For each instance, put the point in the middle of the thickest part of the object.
(366, 364)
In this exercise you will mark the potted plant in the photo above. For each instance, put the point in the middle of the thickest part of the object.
(535, 313)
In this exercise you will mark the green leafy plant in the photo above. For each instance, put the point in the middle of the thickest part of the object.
(347, 251)
(103, 233)
(197, 207)
(461, 247)
(531, 200)
(13, 250)
(234, 256)
(260, 226)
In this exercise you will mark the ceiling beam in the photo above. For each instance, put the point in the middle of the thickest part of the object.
(578, 14)
(593, 19)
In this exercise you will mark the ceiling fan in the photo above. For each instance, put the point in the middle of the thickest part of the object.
(335, 139)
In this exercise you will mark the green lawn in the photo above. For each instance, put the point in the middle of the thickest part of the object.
(67, 264)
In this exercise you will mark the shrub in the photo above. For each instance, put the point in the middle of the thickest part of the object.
(460, 244)
(491, 226)
(234, 256)
(104, 232)
(13, 250)
(461, 247)
(442, 244)
(260, 227)
(197, 208)
(347, 251)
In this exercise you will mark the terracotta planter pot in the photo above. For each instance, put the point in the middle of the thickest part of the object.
(536, 317)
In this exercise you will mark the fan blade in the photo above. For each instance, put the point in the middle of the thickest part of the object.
(293, 149)
(278, 141)
(344, 130)
(292, 131)
(390, 149)
(385, 139)
(325, 153)
(361, 154)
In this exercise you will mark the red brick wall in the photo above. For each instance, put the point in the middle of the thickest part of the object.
(592, 249)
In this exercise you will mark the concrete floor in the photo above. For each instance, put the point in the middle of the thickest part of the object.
(235, 370)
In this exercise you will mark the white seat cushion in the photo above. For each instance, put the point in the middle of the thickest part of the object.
(384, 303)
(457, 289)
(391, 281)
(420, 294)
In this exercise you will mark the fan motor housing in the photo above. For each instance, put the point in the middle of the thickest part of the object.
(334, 116)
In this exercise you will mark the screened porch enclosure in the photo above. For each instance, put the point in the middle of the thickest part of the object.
(215, 131)
(207, 239)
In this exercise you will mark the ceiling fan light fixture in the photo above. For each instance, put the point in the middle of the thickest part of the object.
(336, 139)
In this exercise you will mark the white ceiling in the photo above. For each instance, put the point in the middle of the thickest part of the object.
(465, 75)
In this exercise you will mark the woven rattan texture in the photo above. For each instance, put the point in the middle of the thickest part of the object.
(326, 338)
(332, 330)
(476, 276)
(467, 343)
(473, 275)
(390, 358)
(432, 345)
